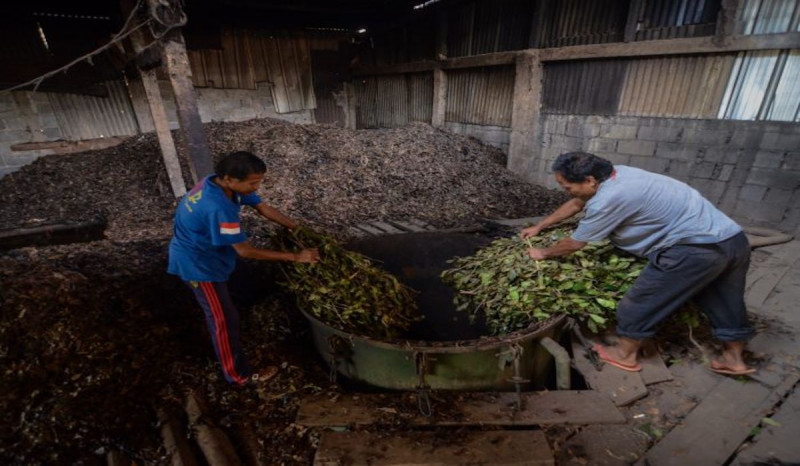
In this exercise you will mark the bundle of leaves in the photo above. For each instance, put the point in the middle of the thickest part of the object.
(512, 291)
(345, 289)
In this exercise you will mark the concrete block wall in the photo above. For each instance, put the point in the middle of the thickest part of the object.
(497, 136)
(750, 170)
(226, 105)
(25, 117)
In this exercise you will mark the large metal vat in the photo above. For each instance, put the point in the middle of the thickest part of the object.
(445, 351)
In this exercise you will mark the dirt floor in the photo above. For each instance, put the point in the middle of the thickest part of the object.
(96, 338)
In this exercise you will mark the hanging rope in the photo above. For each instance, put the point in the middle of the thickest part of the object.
(118, 37)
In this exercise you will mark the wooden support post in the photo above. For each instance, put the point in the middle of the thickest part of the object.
(179, 71)
(635, 10)
(524, 148)
(349, 107)
(165, 141)
(439, 97)
(726, 21)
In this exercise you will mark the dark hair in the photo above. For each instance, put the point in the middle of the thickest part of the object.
(239, 165)
(576, 166)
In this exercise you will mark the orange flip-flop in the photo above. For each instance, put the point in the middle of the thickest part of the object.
(724, 370)
(603, 355)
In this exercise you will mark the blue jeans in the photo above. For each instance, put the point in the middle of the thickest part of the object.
(711, 274)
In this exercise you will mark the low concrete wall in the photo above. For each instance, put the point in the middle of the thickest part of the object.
(497, 136)
(750, 170)
(25, 117)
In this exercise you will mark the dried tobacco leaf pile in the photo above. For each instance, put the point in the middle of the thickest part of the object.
(512, 291)
(344, 289)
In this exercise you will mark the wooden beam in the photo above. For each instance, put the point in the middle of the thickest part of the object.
(165, 141)
(491, 448)
(69, 147)
(471, 409)
(685, 46)
(180, 76)
(525, 114)
(694, 45)
(47, 235)
(439, 98)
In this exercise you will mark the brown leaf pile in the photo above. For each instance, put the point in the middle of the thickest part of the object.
(95, 338)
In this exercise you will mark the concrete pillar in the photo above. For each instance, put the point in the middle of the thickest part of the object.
(439, 97)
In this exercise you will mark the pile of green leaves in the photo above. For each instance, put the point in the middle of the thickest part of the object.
(512, 291)
(344, 289)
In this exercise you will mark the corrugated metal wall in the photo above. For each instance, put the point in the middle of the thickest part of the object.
(251, 57)
(86, 117)
(392, 101)
(481, 96)
(420, 97)
(764, 85)
(578, 22)
(769, 16)
(484, 27)
(583, 87)
(668, 19)
(684, 87)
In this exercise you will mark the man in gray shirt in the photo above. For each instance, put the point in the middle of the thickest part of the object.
(694, 251)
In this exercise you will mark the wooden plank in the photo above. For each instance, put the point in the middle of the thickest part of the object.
(407, 226)
(492, 448)
(46, 235)
(387, 228)
(653, 368)
(769, 273)
(525, 114)
(556, 407)
(69, 147)
(369, 229)
(622, 387)
(422, 224)
(713, 431)
(777, 444)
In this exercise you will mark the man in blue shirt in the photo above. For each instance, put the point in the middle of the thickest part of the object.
(207, 239)
(694, 251)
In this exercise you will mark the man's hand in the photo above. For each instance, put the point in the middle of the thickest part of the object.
(307, 256)
(530, 231)
(537, 254)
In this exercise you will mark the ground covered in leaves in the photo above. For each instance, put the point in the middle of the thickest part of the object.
(96, 338)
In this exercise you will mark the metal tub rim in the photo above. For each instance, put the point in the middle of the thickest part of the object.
(451, 347)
